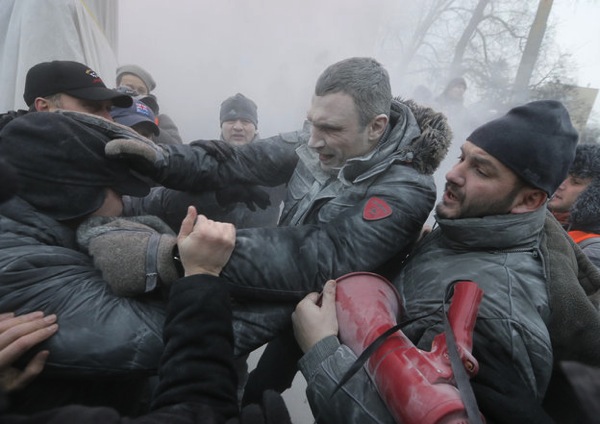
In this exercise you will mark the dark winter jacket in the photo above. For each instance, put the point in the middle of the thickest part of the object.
(171, 207)
(359, 219)
(325, 228)
(513, 313)
(101, 335)
(548, 283)
(197, 378)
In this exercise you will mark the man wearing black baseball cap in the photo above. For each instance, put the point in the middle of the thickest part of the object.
(68, 85)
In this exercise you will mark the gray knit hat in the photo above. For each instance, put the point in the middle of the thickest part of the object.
(138, 71)
(238, 107)
(536, 141)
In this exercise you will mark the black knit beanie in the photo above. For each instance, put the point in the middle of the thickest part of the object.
(239, 107)
(536, 141)
(61, 166)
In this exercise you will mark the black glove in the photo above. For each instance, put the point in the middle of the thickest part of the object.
(251, 195)
(218, 149)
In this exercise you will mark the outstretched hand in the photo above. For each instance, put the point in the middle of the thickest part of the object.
(204, 245)
(315, 317)
(17, 336)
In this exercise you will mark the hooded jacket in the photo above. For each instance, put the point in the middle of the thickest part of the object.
(359, 219)
(328, 226)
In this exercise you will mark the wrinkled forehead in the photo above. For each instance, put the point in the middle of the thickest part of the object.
(332, 107)
(480, 157)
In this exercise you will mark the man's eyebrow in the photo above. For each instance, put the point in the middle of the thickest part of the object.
(481, 161)
(325, 125)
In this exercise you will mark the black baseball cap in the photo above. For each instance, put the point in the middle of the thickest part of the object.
(72, 78)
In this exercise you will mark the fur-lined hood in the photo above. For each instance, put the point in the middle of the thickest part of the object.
(585, 212)
(426, 151)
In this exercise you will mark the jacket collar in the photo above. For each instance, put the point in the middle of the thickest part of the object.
(496, 232)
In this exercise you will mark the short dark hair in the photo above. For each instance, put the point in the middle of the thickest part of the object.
(362, 78)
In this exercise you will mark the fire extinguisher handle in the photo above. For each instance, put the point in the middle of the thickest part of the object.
(463, 310)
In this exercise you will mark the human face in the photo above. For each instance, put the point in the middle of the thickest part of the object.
(112, 206)
(95, 107)
(567, 193)
(238, 132)
(336, 134)
(135, 83)
(478, 185)
(457, 92)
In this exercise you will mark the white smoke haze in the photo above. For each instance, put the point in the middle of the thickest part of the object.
(271, 51)
(201, 52)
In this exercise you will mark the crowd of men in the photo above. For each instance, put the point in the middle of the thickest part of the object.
(138, 271)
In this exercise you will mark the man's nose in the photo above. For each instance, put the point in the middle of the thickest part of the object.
(455, 175)
(316, 139)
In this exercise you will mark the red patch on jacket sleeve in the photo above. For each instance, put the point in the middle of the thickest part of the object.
(375, 209)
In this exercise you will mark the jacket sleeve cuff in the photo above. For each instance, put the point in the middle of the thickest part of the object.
(312, 359)
(192, 282)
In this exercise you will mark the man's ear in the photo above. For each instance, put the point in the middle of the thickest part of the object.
(530, 200)
(41, 104)
(377, 126)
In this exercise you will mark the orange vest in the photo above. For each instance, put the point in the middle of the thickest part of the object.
(579, 236)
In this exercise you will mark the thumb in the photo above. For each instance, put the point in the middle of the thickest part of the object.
(328, 299)
(312, 297)
(187, 225)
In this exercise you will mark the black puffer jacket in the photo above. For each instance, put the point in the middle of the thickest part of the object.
(198, 381)
(101, 335)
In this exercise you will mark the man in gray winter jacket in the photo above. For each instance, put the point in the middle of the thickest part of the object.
(490, 229)
(359, 191)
